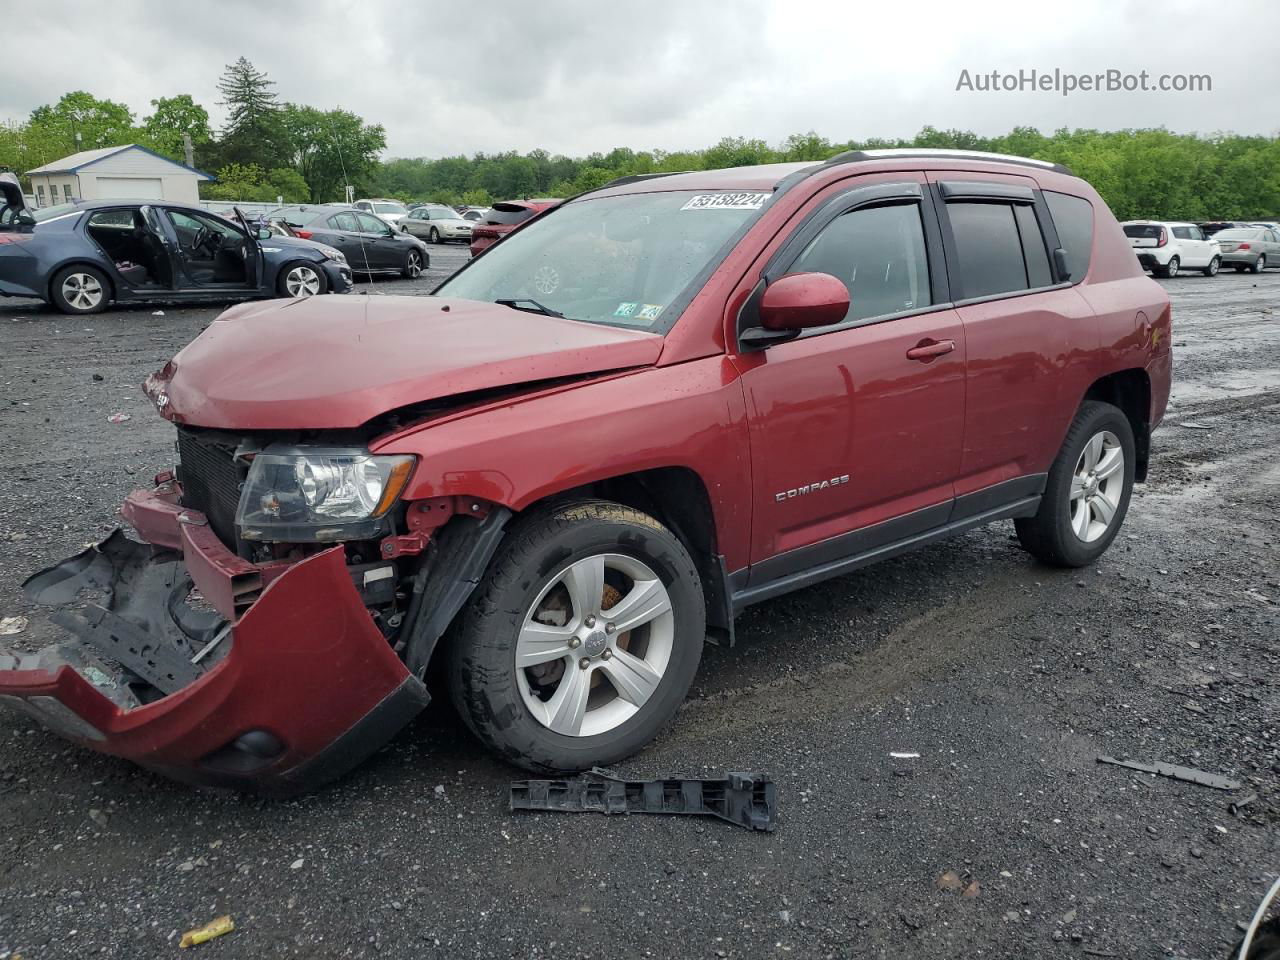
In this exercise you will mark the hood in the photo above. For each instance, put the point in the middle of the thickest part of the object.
(11, 191)
(338, 362)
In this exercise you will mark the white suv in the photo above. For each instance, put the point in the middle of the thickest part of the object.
(1168, 248)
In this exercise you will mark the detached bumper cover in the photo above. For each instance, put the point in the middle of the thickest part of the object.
(305, 688)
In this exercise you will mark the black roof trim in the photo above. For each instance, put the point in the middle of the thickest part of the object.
(637, 178)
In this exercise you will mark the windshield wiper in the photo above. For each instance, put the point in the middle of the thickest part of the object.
(529, 306)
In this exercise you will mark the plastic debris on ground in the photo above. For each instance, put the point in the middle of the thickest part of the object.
(1175, 772)
(12, 626)
(214, 928)
(118, 418)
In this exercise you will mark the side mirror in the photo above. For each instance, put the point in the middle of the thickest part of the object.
(798, 301)
(264, 233)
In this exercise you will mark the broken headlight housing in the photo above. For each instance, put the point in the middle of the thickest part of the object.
(320, 494)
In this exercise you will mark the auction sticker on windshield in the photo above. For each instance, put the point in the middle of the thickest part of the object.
(726, 201)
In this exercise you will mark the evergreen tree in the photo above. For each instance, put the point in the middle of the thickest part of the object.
(253, 133)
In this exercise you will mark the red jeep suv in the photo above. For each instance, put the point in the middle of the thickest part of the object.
(661, 402)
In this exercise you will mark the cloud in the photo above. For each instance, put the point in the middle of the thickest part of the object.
(448, 78)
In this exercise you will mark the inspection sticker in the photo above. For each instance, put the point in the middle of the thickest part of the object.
(650, 311)
(726, 201)
(625, 309)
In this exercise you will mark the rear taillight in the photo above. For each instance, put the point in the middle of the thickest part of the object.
(1164, 238)
(302, 234)
(1243, 246)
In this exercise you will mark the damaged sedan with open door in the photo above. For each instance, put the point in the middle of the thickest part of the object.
(81, 256)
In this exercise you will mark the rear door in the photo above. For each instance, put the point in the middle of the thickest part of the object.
(1029, 333)
(346, 236)
(856, 428)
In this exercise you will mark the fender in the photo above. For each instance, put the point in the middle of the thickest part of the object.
(690, 415)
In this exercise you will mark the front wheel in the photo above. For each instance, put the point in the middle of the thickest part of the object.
(1260, 264)
(1212, 269)
(1087, 493)
(582, 640)
(434, 235)
(299, 280)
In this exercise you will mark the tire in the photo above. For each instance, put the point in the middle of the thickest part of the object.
(1212, 269)
(1259, 265)
(80, 289)
(530, 574)
(1051, 535)
(1170, 269)
(300, 279)
(434, 235)
(412, 265)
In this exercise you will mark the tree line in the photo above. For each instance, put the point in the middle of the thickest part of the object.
(270, 149)
(1142, 174)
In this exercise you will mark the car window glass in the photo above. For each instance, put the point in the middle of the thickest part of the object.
(988, 247)
(344, 221)
(1073, 219)
(1138, 231)
(442, 213)
(371, 224)
(189, 223)
(879, 255)
(113, 218)
(1182, 233)
(1197, 233)
(1033, 248)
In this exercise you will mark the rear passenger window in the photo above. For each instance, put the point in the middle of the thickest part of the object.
(988, 247)
(1073, 219)
(879, 254)
(1182, 233)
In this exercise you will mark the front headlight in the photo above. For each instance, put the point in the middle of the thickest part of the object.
(334, 254)
(295, 494)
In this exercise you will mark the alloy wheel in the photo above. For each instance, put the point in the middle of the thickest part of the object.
(302, 281)
(1172, 269)
(82, 290)
(1097, 486)
(413, 266)
(594, 646)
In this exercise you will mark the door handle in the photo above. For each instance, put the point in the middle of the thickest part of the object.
(929, 349)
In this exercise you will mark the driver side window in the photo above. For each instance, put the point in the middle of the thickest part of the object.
(878, 253)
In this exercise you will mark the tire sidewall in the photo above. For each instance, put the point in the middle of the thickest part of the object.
(283, 289)
(523, 738)
(59, 301)
(1098, 417)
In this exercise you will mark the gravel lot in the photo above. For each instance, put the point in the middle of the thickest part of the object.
(1007, 678)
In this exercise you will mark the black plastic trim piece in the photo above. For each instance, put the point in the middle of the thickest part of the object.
(744, 799)
(742, 599)
(998, 494)
(633, 178)
(459, 556)
(985, 190)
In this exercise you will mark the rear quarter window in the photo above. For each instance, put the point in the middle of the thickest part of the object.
(1073, 218)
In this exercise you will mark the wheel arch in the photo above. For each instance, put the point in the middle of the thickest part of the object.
(1130, 391)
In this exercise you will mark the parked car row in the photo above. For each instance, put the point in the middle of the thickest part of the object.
(371, 244)
(1168, 248)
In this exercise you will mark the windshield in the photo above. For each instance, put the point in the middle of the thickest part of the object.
(389, 208)
(48, 213)
(622, 260)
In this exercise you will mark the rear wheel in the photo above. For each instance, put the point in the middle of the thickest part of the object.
(299, 280)
(80, 289)
(1260, 264)
(1212, 268)
(1088, 489)
(583, 639)
(1170, 269)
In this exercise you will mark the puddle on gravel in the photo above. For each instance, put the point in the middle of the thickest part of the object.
(1229, 383)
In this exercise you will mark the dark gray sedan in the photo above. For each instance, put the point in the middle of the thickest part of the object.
(1249, 248)
(370, 243)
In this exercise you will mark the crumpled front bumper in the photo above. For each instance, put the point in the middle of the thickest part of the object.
(305, 686)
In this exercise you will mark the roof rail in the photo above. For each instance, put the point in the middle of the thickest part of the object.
(635, 178)
(933, 153)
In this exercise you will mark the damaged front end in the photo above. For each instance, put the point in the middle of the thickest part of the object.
(255, 665)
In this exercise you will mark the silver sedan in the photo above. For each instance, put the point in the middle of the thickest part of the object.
(436, 223)
(1249, 248)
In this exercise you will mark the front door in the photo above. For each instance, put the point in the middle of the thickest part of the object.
(381, 248)
(212, 252)
(856, 428)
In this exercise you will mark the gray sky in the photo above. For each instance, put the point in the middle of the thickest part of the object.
(447, 78)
